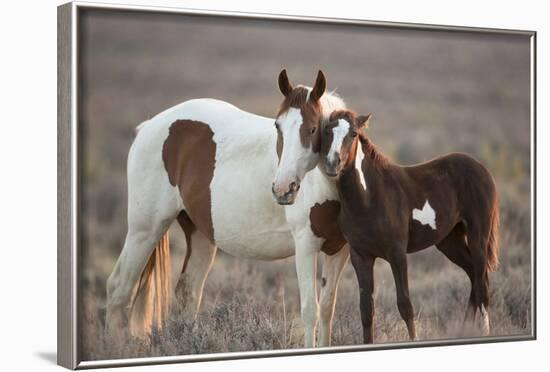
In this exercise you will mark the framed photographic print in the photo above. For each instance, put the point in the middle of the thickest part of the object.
(235, 185)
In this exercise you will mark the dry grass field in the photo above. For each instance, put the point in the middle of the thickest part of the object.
(430, 92)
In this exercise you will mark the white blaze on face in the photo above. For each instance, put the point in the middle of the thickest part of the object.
(339, 132)
(358, 161)
(296, 160)
(426, 215)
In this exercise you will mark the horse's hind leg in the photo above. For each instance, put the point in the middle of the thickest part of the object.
(199, 259)
(454, 247)
(149, 216)
(332, 270)
(140, 241)
(477, 243)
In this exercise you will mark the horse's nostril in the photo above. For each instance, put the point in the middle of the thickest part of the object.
(292, 186)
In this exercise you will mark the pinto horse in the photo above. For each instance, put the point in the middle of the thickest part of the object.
(389, 210)
(210, 166)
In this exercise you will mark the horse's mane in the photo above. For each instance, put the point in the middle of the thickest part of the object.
(331, 101)
(371, 150)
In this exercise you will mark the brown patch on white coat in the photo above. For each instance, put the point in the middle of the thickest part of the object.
(324, 218)
(189, 154)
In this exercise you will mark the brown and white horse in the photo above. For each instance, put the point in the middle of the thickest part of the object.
(390, 210)
(211, 166)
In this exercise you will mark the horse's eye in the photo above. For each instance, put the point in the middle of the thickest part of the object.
(353, 134)
(313, 129)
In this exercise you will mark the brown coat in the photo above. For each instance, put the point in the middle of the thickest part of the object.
(389, 210)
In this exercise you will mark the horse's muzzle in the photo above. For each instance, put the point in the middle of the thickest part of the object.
(289, 197)
(332, 168)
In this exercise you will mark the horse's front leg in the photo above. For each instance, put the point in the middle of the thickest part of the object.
(364, 269)
(332, 270)
(307, 249)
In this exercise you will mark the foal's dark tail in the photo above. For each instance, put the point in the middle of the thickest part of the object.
(493, 243)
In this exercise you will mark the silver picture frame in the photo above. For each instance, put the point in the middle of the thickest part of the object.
(68, 354)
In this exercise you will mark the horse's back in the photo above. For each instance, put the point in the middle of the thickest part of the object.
(212, 112)
(458, 178)
(456, 165)
(465, 168)
(219, 116)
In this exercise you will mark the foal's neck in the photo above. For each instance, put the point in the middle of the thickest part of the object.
(375, 160)
(366, 175)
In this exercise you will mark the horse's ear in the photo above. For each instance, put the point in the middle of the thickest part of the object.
(284, 84)
(362, 121)
(319, 87)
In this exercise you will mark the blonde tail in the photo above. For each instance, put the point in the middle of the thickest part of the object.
(152, 299)
(493, 241)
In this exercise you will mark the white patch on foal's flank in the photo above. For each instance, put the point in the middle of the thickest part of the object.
(358, 161)
(426, 216)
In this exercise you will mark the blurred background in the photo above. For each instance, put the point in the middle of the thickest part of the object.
(431, 92)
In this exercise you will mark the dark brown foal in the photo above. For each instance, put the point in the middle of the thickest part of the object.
(389, 210)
